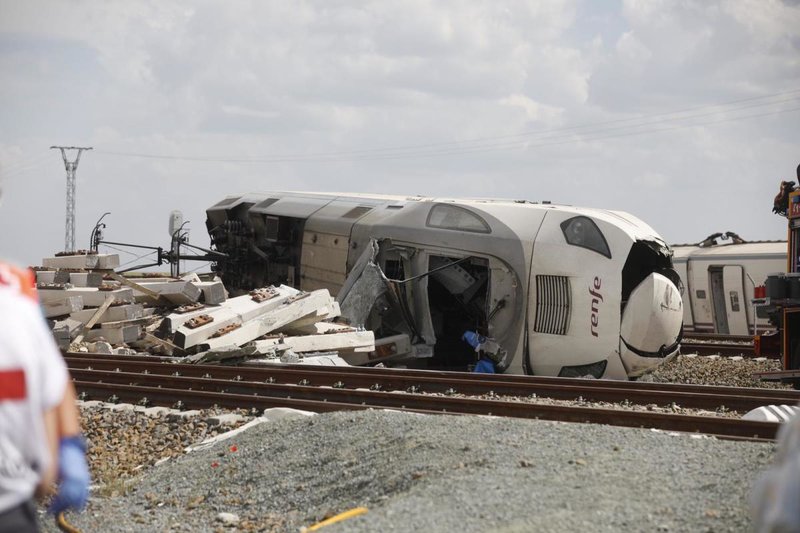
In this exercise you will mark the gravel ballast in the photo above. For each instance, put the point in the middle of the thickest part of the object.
(441, 473)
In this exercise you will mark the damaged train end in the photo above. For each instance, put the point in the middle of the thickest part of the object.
(559, 290)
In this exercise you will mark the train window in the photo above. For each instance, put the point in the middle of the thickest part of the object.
(456, 218)
(582, 231)
(701, 294)
(734, 301)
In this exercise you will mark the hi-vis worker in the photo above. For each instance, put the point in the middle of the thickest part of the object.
(40, 440)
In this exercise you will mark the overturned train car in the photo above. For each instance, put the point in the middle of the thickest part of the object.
(720, 278)
(564, 291)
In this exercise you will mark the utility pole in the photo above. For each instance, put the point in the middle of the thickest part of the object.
(71, 167)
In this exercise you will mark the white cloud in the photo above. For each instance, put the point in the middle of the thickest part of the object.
(287, 80)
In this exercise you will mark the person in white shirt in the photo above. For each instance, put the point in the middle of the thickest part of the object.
(40, 440)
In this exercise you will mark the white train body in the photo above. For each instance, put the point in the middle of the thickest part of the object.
(719, 281)
(562, 290)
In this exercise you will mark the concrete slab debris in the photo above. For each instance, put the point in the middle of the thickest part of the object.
(235, 311)
(92, 297)
(66, 330)
(67, 306)
(45, 277)
(175, 292)
(112, 314)
(106, 312)
(361, 341)
(276, 317)
(121, 335)
(85, 279)
(214, 292)
(80, 261)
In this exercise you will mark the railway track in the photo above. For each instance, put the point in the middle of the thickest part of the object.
(155, 381)
(715, 344)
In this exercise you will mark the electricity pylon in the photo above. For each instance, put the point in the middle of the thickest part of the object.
(71, 167)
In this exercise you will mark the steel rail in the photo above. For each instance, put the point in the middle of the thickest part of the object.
(699, 396)
(320, 399)
(716, 337)
(716, 348)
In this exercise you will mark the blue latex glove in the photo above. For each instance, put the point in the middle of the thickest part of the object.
(484, 366)
(73, 475)
(473, 339)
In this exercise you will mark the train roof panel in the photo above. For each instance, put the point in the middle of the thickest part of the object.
(777, 248)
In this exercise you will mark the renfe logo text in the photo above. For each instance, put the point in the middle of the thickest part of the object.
(596, 299)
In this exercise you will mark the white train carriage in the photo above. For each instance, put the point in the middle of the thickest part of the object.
(563, 290)
(719, 280)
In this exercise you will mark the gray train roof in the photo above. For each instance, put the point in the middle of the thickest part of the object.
(514, 213)
(761, 248)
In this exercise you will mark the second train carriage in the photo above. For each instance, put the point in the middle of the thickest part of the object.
(719, 281)
(562, 290)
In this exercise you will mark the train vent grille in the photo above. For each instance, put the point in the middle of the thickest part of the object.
(552, 304)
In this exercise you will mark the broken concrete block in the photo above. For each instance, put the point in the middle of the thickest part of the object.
(213, 291)
(174, 320)
(362, 341)
(66, 330)
(291, 310)
(176, 292)
(79, 261)
(92, 297)
(100, 347)
(45, 277)
(67, 306)
(112, 314)
(317, 328)
(234, 312)
(85, 279)
(62, 276)
(324, 313)
(186, 337)
(121, 335)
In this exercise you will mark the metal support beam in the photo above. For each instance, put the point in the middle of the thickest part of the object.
(71, 167)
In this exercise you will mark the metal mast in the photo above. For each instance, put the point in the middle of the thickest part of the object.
(71, 167)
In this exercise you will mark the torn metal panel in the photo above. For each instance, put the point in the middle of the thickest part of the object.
(365, 286)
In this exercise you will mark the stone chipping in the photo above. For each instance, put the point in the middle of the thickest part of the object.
(715, 370)
(441, 473)
(413, 472)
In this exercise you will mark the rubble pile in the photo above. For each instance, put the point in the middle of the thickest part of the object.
(92, 308)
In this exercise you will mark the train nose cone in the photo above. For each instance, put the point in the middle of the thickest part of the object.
(651, 324)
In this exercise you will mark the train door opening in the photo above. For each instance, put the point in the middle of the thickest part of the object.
(735, 300)
(717, 284)
(457, 302)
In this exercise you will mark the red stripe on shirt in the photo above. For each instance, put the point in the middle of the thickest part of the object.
(12, 385)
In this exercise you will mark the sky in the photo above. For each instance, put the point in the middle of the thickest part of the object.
(685, 114)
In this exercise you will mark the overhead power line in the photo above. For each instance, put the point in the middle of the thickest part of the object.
(691, 117)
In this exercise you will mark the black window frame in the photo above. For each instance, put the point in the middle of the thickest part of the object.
(605, 253)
